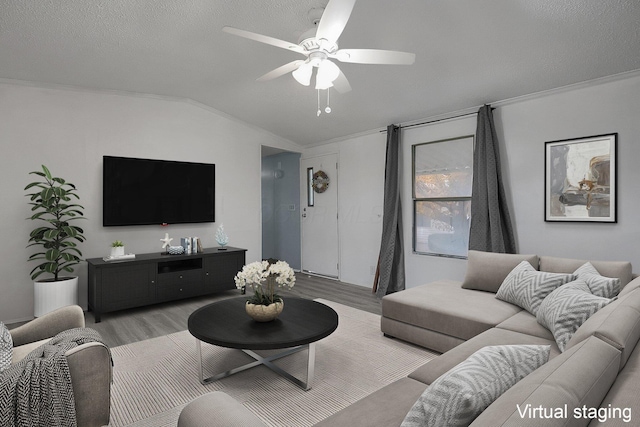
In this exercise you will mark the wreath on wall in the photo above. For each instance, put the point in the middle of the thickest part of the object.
(320, 182)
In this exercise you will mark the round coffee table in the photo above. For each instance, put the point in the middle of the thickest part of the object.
(226, 324)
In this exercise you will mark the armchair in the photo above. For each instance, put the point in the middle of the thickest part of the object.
(89, 364)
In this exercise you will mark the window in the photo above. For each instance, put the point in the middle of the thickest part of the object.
(442, 181)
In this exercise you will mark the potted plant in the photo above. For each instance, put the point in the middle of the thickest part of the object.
(264, 277)
(117, 249)
(52, 204)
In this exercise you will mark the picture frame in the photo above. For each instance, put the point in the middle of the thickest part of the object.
(581, 179)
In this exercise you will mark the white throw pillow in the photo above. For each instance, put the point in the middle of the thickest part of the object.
(606, 287)
(6, 347)
(527, 287)
(567, 308)
(457, 397)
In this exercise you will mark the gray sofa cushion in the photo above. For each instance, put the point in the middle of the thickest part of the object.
(556, 384)
(487, 270)
(418, 335)
(527, 287)
(623, 395)
(631, 286)
(445, 307)
(568, 307)
(433, 369)
(617, 324)
(217, 408)
(383, 408)
(619, 269)
(606, 287)
(460, 395)
(6, 347)
(526, 323)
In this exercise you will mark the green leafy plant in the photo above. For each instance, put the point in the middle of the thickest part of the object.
(52, 203)
(117, 244)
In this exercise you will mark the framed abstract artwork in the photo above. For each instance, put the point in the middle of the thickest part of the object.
(580, 179)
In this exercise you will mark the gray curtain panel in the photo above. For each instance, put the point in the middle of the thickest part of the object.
(391, 276)
(491, 229)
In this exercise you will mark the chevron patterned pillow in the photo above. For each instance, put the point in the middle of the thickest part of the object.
(567, 308)
(6, 347)
(527, 287)
(606, 287)
(460, 395)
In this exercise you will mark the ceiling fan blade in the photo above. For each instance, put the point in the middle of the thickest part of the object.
(341, 84)
(281, 71)
(265, 39)
(334, 19)
(374, 56)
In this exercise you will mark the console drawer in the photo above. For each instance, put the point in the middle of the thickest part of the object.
(179, 284)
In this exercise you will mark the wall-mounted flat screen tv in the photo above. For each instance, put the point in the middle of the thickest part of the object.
(145, 191)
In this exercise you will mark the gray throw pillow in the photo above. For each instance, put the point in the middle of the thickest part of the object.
(461, 394)
(567, 308)
(6, 347)
(487, 270)
(606, 287)
(527, 288)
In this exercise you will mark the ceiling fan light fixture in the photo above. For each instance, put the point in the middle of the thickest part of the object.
(323, 84)
(303, 74)
(327, 73)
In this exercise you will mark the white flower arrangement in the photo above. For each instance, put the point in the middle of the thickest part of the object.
(263, 278)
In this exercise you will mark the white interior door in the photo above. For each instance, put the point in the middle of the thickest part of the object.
(319, 210)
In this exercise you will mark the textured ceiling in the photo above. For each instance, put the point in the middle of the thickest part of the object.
(469, 52)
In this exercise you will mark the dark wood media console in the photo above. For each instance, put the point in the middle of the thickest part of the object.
(154, 278)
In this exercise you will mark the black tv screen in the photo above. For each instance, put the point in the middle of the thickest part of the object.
(145, 191)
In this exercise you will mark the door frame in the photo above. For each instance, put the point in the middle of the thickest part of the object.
(303, 203)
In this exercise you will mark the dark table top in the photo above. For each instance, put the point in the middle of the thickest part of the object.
(225, 323)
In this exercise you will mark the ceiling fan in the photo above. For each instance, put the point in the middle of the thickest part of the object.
(320, 46)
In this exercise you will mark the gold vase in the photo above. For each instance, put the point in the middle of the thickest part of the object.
(264, 313)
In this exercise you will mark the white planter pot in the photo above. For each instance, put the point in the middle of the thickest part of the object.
(117, 251)
(49, 295)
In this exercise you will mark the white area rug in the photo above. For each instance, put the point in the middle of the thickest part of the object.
(154, 379)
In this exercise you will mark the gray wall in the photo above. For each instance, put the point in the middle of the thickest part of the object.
(523, 126)
(70, 131)
(281, 208)
(592, 110)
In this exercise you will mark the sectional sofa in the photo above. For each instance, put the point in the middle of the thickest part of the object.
(595, 381)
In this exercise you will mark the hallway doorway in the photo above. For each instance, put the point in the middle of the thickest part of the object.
(281, 206)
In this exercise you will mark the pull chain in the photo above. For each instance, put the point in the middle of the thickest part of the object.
(328, 109)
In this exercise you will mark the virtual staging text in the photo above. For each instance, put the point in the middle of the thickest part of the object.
(603, 414)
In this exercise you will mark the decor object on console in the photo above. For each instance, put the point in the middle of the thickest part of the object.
(265, 304)
(52, 202)
(166, 242)
(221, 237)
(117, 249)
(581, 179)
(175, 250)
(191, 245)
(117, 252)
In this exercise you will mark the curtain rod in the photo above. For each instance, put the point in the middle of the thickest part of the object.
(436, 120)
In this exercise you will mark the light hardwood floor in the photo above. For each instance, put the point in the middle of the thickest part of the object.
(127, 326)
